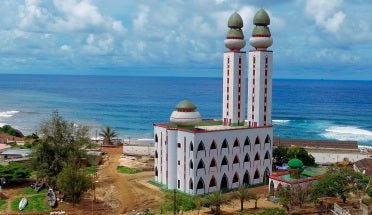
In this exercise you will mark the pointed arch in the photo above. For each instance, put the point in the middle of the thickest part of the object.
(191, 146)
(191, 184)
(235, 178)
(267, 155)
(257, 141)
(156, 138)
(213, 145)
(201, 164)
(247, 158)
(200, 184)
(267, 139)
(201, 146)
(224, 182)
(256, 174)
(156, 171)
(236, 159)
(212, 182)
(224, 161)
(257, 157)
(247, 142)
(225, 144)
(156, 154)
(266, 176)
(246, 178)
(236, 143)
(213, 163)
(191, 164)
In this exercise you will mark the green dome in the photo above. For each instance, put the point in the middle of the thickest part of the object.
(295, 163)
(186, 104)
(261, 18)
(261, 30)
(235, 33)
(235, 21)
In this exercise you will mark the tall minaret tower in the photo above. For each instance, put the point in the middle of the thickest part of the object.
(234, 61)
(260, 72)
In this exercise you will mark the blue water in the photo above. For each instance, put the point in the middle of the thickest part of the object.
(307, 109)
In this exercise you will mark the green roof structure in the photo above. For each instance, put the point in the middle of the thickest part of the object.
(186, 104)
(235, 21)
(261, 18)
(295, 163)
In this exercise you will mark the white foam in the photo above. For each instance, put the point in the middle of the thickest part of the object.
(347, 133)
(7, 114)
(280, 121)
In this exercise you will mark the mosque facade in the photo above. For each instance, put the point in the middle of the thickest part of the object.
(198, 156)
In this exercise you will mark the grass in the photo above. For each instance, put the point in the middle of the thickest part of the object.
(127, 170)
(90, 170)
(36, 201)
(3, 205)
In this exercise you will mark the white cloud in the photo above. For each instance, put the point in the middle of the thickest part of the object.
(140, 21)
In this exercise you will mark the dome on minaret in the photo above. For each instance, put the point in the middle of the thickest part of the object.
(261, 36)
(235, 37)
(185, 114)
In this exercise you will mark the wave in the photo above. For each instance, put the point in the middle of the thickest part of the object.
(347, 133)
(280, 121)
(7, 114)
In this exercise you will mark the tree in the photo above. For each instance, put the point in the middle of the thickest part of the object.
(73, 182)
(59, 142)
(301, 153)
(215, 200)
(255, 197)
(280, 156)
(243, 194)
(107, 133)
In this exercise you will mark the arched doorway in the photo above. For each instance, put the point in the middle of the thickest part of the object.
(224, 183)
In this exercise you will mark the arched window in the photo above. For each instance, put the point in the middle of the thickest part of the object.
(236, 178)
(156, 154)
(246, 158)
(256, 174)
(257, 141)
(201, 164)
(200, 184)
(191, 146)
(246, 178)
(224, 182)
(201, 146)
(236, 159)
(236, 143)
(213, 163)
(267, 140)
(213, 145)
(267, 155)
(191, 165)
(212, 183)
(257, 157)
(247, 142)
(225, 144)
(224, 161)
(156, 171)
(156, 138)
(191, 184)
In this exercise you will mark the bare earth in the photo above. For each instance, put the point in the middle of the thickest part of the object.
(128, 193)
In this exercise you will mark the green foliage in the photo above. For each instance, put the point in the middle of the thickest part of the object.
(14, 171)
(11, 131)
(301, 153)
(215, 200)
(73, 182)
(90, 170)
(184, 202)
(61, 141)
(34, 203)
(280, 156)
(243, 194)
(127, 170)
(3, 205)
(107, 133)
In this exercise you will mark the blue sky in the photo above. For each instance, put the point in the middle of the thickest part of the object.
(317, 39)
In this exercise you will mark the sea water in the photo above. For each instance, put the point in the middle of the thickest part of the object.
(302, 109)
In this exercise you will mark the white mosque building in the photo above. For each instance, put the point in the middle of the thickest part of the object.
(197, 156)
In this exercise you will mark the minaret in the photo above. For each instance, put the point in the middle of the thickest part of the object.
(234, 61)
(260, 72)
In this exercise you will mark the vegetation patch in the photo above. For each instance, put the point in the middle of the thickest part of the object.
(34, 203)
(90, 170)
(127, 170)
(3, 205)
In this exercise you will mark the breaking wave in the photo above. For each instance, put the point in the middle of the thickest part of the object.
(347, 133)
(7, 114)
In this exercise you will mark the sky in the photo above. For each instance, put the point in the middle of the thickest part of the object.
(313, 39)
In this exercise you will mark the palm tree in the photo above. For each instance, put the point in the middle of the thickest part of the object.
(215, 200)
(243, 194)
(107, 133)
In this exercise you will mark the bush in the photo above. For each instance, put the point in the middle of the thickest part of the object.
(11, 131)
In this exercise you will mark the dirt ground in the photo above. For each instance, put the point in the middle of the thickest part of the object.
(117, 193)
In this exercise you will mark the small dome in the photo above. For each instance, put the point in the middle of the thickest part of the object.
(235, 33)
(235, 21)
(186, 104)
(295, 163)
(261, 18)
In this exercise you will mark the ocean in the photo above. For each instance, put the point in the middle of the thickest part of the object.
(302, 109)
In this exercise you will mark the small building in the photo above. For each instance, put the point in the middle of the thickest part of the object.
(296, 175)
(364, 166)
(15, 155)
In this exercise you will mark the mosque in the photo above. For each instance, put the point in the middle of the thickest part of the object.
(198, 156)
